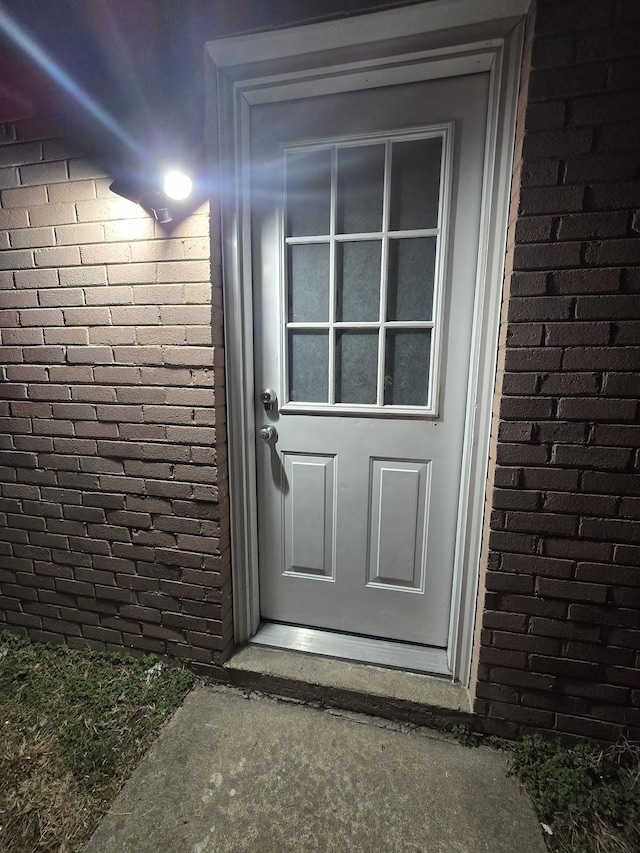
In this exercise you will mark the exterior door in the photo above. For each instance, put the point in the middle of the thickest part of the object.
(365, 230)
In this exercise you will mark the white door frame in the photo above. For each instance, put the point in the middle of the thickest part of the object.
(441, 38)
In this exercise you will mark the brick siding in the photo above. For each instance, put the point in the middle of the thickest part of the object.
(560, 645)
(113, 517)
(114, 508)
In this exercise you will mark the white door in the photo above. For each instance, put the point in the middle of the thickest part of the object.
(365, 230)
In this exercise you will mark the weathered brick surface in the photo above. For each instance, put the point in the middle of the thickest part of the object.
(101, 497)
(564, 541)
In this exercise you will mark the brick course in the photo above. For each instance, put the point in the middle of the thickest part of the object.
(560, 531)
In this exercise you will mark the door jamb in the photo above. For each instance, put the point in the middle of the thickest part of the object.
(424, 41)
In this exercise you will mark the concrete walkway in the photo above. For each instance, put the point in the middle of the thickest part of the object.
(237, 773)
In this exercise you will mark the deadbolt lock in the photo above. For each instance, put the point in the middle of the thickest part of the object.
(269, 398)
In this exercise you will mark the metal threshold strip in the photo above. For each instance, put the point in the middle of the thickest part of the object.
(402, 656)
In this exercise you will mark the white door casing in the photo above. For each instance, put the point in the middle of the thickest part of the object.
(437, 40)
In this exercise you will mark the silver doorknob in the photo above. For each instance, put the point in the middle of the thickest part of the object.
(269, 433)
(268, 397)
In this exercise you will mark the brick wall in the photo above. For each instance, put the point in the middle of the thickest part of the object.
(561, 627)
(112, 435)
(113, 483)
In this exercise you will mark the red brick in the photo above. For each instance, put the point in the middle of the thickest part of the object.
(541, 522)
(580, 226)
(623, 676)
(585, 281)
(588, 456)
(516, 499)
(534, 229)
(499, 582)
(618, 137)
(567, 81)
(626, 598)
(564, 629)
(522, 454)
(617, 435)
(502, 657)
(605, 616)
(589, 728)
(547, 115)
(613, 196)
(528, 309)
(571, 590)
(610, 252)
(607, 483)
(577, 549)
(623, 333)
(611, 529)
(575, 333)
(600, 409)
(557, 143)
(598, 653)
(605, 108)
(602, 168)
(583, 504)
(517, 678)
(525, 408)
(525, 334)
(540, 173)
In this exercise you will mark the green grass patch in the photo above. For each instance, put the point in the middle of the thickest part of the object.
(73, 725)
(588, 797)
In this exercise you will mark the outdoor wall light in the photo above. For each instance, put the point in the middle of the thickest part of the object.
(176, 186)
(131, 190)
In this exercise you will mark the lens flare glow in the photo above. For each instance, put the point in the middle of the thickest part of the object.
(177, 185)
(58, 75)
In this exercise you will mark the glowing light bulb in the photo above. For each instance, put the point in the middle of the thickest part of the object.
(177, 185)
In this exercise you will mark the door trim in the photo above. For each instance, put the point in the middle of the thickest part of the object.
(424, 41)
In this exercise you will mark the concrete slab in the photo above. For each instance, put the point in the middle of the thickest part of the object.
(237, 773)
(343, 675)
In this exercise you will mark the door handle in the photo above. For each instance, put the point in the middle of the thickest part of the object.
(269, 433)
(269, 398)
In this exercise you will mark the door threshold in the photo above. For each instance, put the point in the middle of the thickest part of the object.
(408, 657)
(408, 697)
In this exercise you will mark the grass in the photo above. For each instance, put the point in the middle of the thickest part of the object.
(587, 798)
(73, 725)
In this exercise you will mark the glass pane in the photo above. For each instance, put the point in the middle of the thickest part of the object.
(308, 193)
(412, 263)
(360, 185)
(356, 367)
(308, 272)
(308, 366)
(408, 354)
(415, 184)
(358, 280)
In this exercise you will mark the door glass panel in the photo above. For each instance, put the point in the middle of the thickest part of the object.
(357, 367)
(363, 235)
(308, 272)
(408, 355)
(360, 189)
(308, 366)
(308, 193)
(358, 281)
(415, 184)
(412, 263)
